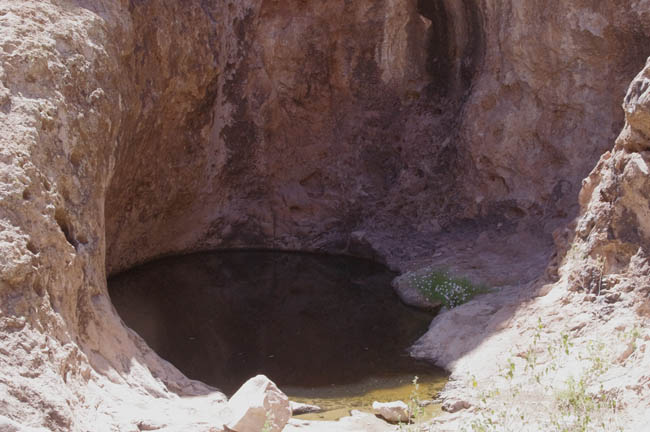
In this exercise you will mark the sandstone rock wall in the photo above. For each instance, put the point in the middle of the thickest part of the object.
(547, 101)
(53, 107)
(609, 243)
(596, 298)
(317, 118)
(311, 122)
(67, 361)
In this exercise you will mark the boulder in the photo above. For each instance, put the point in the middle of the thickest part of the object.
(298, 408)
(258, 406)
(455, 405)
(393, 412)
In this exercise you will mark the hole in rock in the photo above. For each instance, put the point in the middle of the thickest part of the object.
(63, 221)
(32, 248)
(329, 330)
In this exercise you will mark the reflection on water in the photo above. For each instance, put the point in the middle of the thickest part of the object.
(326, 329)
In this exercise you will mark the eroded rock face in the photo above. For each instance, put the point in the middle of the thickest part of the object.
(598, 304)
(538, 118)
(66, 357)
(131, 129)
(391, 118)
(319, 119)
(612, 235)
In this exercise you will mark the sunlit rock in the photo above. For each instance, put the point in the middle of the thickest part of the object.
(394, 412)
(258, 406)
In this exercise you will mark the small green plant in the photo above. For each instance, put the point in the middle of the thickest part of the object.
(591, 277)
(631, 337)
(600, 262)
(416, 412)
(440, 286)
(541, 396)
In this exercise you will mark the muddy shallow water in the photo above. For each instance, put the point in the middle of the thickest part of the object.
(328, 330)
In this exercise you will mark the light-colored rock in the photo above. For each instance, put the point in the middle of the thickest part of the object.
(258, 405)
(8, 425)
(455, 405)
(393, 412)
(357, 422)
(298, 408)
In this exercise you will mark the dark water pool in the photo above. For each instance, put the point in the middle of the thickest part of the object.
(327, 329)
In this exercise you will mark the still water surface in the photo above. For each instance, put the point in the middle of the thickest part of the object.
(329, 330)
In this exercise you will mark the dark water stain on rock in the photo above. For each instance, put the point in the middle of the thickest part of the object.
(316, 325)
